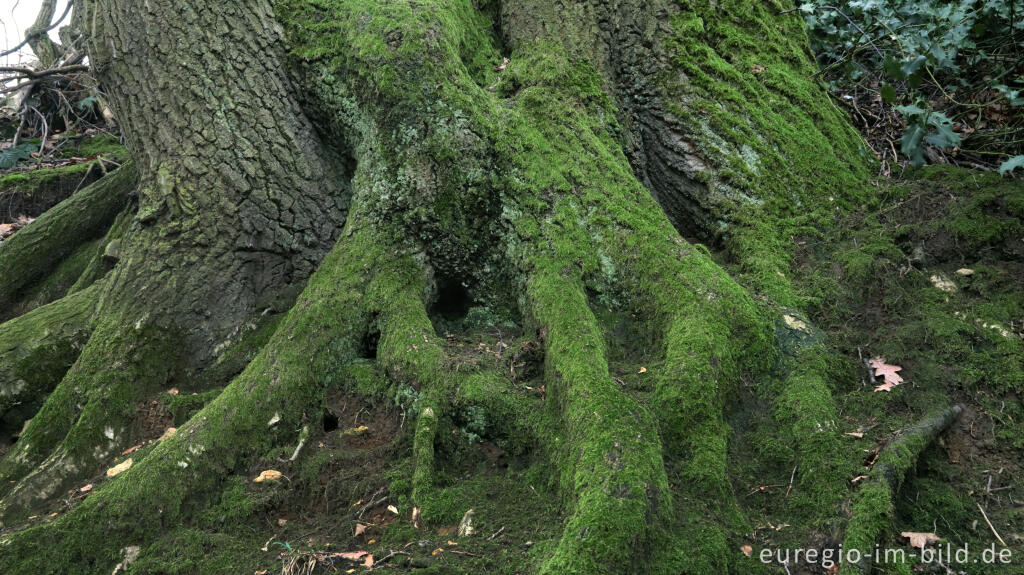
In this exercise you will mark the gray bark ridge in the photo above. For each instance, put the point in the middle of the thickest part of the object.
(238, 197)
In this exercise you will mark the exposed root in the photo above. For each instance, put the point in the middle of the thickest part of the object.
(326, 324)
(36, 350)
(33, 252)
(873, 503)
(611, 454)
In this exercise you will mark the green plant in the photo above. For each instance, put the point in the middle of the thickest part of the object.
(11, 156)
(925, 125)
(956, 56)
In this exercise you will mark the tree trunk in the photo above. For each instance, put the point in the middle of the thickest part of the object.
(532, 166)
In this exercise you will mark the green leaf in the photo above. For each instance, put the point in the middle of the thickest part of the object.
(1011, 165)
(911, 146)
(87, 103)
(910, 111)
(910, 67)
(888, 94)
(11, 156)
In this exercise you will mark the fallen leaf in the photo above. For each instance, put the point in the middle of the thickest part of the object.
(169, 432)
(920, 540)
(747, 550)
(131, 449)
(452, 543)
(281, 522)
(502, 66)
(965, 272)
(268, 475)
(369, 561)
(53, 515)
(351, 555)
(355, 430)
(123, 466)
(856, 434)
(888, 372)
(756, 69)
(643, 370)
(416, 517)
(360, 528)
(86, 488)
(943, 283)
(466, 525)
(436, 551)
(263, 572)
(858, 478)
(393, 509)
(173, 391)
(371, 541)
(885, 387)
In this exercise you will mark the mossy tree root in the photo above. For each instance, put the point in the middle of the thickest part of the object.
(32, 253)
(873, 502)
(36, 350)
(279, 392)
(611, 466)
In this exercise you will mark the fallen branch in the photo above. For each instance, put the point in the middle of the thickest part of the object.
(873, 502)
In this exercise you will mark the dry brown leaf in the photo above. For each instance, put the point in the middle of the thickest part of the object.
(86, 488)
(920, 540)
(268, 475)
(416, 517)
(351, 555)
(369, 561)
(888, 373)
(360, 528)
(436, 551)
(393, 509)
(123, 466)
(747, 550)
(281, 522)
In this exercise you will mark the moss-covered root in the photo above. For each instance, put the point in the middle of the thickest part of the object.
(807, 411)
(108, 251)
(36, 351)
(89, 417)
(611, 461)
(322, 334)
(872, 505)
(29, 255)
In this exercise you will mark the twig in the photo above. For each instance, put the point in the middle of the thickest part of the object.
(36, 34)
(35, 74)
(386, 557)
(791, 477)
(983, 514)
(496, 533)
